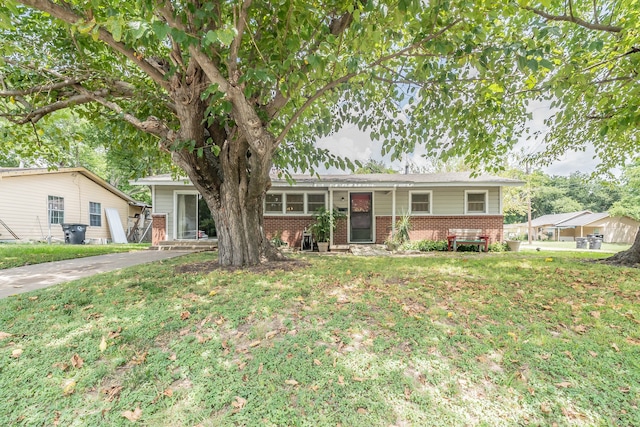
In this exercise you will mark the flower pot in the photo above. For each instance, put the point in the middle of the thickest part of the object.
(323, 246)
(514, 245)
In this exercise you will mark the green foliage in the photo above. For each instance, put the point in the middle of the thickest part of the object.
(325, 222)
(277, 241)
(426, 245)
(374, 166)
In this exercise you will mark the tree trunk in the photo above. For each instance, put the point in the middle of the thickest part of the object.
(628, 258)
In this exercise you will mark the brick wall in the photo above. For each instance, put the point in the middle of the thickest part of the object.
(423, 227)
(159, 228)
(437, 227)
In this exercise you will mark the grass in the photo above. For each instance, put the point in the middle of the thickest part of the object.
(17, 255)
(552, 245)
(440, 339)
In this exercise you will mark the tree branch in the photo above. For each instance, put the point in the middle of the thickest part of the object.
(237, 41)
(574, 19)
(41, 88)
(334, 83)
(37, 114)
(70, 17)
(209, 68)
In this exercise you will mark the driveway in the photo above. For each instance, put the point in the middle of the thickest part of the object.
(31, 277)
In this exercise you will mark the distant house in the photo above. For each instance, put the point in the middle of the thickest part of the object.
(36, 200)
(372, 204)
(568, 226)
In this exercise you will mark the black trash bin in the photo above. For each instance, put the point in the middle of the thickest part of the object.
(595, 243)
(74, 233)
(581, 242)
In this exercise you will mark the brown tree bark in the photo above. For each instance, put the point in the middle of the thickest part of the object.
(628, 258)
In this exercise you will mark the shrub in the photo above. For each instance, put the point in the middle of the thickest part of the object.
(426, 245)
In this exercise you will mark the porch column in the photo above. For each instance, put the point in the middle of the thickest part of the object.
(393, 211)
(331, 210)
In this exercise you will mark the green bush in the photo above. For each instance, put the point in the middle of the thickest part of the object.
(426, 245)
(498, 247)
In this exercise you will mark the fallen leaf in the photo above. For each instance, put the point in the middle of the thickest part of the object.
(317, 362)
(568, 354)
(112, 392)
(358, 379)
(362, 411)
(4, 335)
(239, 403)
(76, 361)
(270, 334)
(33, 298)
(16, 353)
(114, 334)
(407, 393)
(219, 321)
(255, 343)
(242, 365)
(544, 407)
(581, 329)
(260, 368)
(291, 382)
(615, 347)
(593, 353)
(595, 314)
(340, 380)
(185, 315)
(563, 384)
(56, 418)
(633, 341)
(173, 357)
(548, 259)
(68, 387)
(168, 392)
(212, 293)
(139, 358)
(103, 344)
(134, 415)
(531, 391)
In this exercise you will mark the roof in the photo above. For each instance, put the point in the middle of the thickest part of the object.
(17, 172)
(584, 219)
(365, 180)
(556, 219)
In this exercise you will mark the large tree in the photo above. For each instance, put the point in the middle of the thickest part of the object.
(232, 88)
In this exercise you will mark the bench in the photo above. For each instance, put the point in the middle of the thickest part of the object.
(467, 236)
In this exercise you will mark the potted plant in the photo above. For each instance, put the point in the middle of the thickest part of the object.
(325, 222)
(514, 243)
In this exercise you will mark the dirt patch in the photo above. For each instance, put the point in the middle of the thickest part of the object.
(210, 266)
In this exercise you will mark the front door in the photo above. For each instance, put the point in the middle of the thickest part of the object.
(187, 216)
(361, 217)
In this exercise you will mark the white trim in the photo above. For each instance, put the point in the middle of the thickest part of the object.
(175, 213)
(373, 214)
(486, 202)
(305, 202)
(421, 213)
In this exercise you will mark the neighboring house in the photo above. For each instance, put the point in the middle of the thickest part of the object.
(34, 201)
(372, 204)
(568, 226)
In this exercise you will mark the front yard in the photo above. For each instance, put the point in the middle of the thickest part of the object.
(439, 339)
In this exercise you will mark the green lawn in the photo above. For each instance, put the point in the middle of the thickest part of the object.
(17, 255)
(439, 339)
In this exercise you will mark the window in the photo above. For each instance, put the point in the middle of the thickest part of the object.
(95, 214)
(273, 203)
(295, 203)
(56, 209)
(314, 201)
(476, 202)
(421, 203)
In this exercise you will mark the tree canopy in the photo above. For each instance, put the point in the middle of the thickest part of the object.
(231, 88)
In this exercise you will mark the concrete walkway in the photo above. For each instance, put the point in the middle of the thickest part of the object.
(31, 277)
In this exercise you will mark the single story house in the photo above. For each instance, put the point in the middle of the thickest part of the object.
(372, 204)
(569, 226)
(35, 202)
